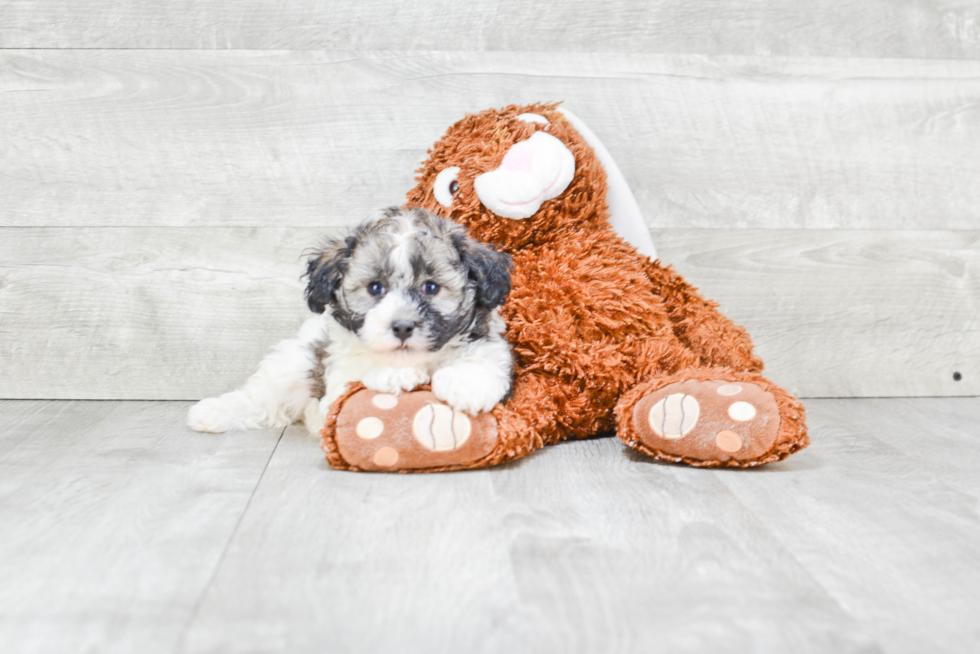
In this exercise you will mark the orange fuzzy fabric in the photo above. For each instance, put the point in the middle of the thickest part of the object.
(594, 324)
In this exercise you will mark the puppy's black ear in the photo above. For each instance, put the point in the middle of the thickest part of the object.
(325, 270)
(489, 270)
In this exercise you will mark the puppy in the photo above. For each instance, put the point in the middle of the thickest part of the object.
(406, 299)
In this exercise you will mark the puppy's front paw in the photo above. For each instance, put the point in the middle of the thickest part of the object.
(394, 380)
(213, 415)
(468, 388)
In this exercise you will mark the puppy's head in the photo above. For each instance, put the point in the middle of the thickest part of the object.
(408, 281)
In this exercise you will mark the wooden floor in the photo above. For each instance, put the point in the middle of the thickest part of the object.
(125, 532)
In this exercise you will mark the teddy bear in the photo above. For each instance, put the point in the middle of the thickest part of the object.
(606, 339)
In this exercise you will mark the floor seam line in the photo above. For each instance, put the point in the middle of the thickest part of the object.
(182, 641)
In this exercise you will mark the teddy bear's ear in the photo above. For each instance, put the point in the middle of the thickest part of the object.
(325, 270)
(488, 270)
(624, 213)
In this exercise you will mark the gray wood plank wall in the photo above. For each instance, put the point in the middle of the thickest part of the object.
(812, 168)
(311, 138)
(873, 28)
(180, 313)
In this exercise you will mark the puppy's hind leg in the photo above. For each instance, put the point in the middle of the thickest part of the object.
(276, 395)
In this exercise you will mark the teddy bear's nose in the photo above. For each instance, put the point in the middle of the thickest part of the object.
(520, 158)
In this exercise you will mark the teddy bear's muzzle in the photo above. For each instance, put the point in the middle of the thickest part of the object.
(532, 172)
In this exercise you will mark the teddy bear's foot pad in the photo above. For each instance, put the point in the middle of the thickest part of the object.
(410, 431)
(708, 421)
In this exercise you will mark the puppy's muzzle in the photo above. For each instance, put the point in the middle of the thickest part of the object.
(403, 329)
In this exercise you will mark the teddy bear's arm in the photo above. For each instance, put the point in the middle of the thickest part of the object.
(699, 325)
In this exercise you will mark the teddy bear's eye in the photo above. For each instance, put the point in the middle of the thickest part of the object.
(446, 186)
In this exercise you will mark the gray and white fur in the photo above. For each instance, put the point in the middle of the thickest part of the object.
(407, 298)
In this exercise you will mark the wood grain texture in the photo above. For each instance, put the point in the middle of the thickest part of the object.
(613, 553)
(176, 138)
(857, 544)
(883, 515)
(126, 533)
(846, 313)
(153, 313)
(183, 313)
(115, 517)
(577, 549)
(917, 28)
(327, 561)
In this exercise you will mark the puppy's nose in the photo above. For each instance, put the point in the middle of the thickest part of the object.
(403, 329)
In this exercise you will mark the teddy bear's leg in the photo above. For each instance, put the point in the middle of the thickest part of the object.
(712, 417)
(416, 432)
(699, 325)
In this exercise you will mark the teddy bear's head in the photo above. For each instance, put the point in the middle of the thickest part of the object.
(514, 176)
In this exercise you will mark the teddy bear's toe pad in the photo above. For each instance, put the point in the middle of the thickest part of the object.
(708, 420)
(411, 431)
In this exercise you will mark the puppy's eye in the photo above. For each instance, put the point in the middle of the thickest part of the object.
(430, 288)
(376, 289)
(446, 186)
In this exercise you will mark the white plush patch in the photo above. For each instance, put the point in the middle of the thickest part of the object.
(674, 416)
(534, 118)
(741, 411)
(442, 187)
(385, 401)
(441, 429)
(532, 172)
(370, 428)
